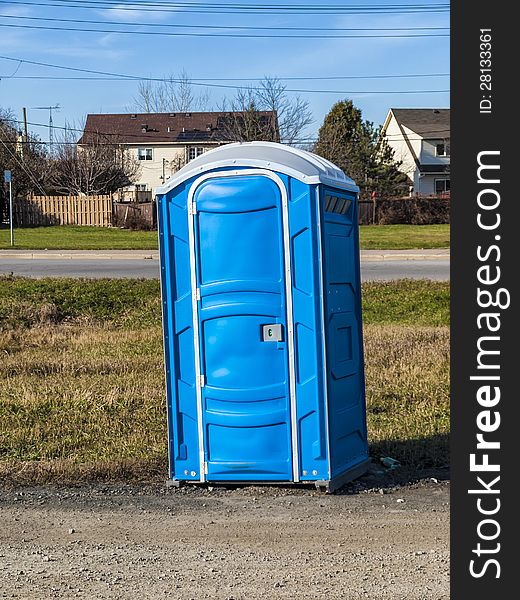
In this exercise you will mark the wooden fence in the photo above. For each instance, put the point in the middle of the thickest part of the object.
(133, 215)
(105, 211)
(413, 210)
(135, 196)
(63, 210)
(366, 212)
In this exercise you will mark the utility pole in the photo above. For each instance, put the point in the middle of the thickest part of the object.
(25, 134)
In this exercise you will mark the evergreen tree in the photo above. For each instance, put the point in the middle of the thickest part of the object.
(355, 146)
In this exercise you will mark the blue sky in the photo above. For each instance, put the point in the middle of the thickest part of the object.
(202, 57)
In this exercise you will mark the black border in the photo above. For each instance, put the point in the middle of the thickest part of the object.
(473, 132)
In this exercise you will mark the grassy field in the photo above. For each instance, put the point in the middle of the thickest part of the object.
(82, 391)
(71, 237)
(377, 237)
(403, 237)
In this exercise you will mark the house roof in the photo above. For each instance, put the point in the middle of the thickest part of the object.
(426, 122)
(301, 165)
(138, 128)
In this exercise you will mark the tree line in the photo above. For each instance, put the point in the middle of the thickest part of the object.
(103, 166)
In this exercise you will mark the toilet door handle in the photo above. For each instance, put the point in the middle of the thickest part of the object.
(272, 332)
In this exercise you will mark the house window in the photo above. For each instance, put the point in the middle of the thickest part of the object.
(442, 186)
(144, 153)
(442, 148)
(193, 152)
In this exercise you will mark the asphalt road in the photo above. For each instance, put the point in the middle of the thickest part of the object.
(375, 265)
(387, 270)
(91, 268)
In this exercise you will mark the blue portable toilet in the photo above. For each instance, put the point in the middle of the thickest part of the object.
(262, 319)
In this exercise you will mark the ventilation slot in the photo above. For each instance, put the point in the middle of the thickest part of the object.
(334, 204)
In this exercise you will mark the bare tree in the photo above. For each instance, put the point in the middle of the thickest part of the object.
(293, 113)
(262, 112)
(267, 112)
(244, 121)
(173, 94)
(100, 165)
(25, 158)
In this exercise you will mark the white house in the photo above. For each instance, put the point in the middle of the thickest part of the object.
(162, 142)
(420, 138)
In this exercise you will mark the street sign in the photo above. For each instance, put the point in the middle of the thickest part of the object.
(7, 176)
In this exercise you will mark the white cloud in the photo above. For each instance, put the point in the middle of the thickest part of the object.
(107, 40)
(78, 51)
(354, 55)
(16, 11)
(11, 41)
(120, 13)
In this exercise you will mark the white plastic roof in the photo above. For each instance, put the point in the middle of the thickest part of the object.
(302, 165)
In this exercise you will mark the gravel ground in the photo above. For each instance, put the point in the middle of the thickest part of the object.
(140, 542)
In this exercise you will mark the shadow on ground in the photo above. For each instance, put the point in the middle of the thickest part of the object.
(420, 460)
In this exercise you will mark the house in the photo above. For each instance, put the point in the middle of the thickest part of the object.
(164, 142)
(420, 138)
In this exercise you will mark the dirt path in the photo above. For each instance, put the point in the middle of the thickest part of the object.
(131, 542)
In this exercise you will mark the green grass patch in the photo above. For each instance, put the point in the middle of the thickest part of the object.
(69, 237)
(26, 302)
(404, 237)
(406, 302)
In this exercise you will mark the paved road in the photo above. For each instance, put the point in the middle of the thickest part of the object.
(388, 270)
(375, 265)
(92, 268)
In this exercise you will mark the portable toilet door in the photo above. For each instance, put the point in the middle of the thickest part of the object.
(238, 234)
(243, 325)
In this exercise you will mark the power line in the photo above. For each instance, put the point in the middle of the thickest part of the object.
(224, 35)
(167, 80)
(323, 77)
(210, 8)
(250, 6)
(220, 27)
(395, 137)
(20, 162)
(219, 85)
(183, 142)
(122, 77)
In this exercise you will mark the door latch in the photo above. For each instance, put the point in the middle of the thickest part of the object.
(272, 333)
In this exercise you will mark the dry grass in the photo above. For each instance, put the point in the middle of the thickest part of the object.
(84, 401)
(67, 472)
(408, 393)
(82, 394)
